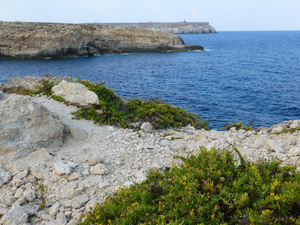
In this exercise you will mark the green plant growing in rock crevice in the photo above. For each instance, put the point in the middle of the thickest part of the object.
(289, 130)
(238, 126)
(176, 138)
(43, 191)
(168, 134)
(208, 189)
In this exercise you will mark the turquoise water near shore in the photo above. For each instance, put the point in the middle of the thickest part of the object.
(241, 76)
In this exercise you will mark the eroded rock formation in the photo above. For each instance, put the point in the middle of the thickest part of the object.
(26, 126)
(42, 40)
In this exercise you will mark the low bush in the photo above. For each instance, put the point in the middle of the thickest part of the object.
(238, 126)
(113, 111)
(210, 188)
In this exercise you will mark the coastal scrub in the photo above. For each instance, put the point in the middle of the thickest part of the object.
(238, 126)
(113, 111)
(210, 188)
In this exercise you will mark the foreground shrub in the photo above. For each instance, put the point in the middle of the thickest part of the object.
(114, 111)
(210, 188)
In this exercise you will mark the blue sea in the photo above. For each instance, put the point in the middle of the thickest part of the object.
(241, 76)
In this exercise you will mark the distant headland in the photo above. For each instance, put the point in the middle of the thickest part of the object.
(175, 28)
(54, 40)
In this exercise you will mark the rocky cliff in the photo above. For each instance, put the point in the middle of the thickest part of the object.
(79, 163)
(42, 40)
(176, 28)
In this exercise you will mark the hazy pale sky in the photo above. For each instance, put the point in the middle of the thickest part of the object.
(222, 14)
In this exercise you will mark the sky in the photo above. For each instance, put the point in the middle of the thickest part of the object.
(224, 15)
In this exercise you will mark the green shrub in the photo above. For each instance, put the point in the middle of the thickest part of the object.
(161, 115)
(238, 126)
(210, 188)
(113, 111)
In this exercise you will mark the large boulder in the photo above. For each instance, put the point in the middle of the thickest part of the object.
(76, 94)
(26, 126)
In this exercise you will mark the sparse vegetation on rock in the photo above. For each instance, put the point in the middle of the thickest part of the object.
(113, 111)
(210, 188)
(238, 126)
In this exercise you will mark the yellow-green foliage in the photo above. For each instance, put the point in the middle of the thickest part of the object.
(210, 188)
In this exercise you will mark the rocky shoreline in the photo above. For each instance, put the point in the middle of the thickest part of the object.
(55, 40)
(78, 163)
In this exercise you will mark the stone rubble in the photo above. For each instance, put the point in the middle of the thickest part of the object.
(93, 161)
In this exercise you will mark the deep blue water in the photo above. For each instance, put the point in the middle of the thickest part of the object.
(241, 76)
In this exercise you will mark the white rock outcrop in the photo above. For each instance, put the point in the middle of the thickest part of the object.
(22, 85)
(26, 126)
(76, 94)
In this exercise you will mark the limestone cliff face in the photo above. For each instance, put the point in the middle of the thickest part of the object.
(175, 28)
(41, 40)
